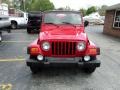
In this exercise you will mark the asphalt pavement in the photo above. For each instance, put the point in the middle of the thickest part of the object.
(15, 74)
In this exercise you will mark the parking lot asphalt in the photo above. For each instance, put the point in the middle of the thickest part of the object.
(14, 71)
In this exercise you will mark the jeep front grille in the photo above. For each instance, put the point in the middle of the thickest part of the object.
(63, 48)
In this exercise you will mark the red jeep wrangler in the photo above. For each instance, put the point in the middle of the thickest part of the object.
(63, 41)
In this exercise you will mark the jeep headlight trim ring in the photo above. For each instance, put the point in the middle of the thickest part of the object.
(45, 46)
(81, 46)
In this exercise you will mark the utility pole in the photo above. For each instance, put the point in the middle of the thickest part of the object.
(24, 5)
(0, 1)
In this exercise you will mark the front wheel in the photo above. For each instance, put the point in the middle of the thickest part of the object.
(34, 69)
(0, 37)
(28, 31)
(89, 69)
(13, 25)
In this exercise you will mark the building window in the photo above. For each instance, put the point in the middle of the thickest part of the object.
(116, 23)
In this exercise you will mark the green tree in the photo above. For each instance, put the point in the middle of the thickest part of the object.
(102, 10)
(25, 5)
(61, 8)
(64, 8)
(31, 5)
(91, 10)
(83, 11)
(5, 1)
(38, 5)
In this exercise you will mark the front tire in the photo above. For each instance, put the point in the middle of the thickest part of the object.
(0, 37)
(13, 25)
(89, 70)
(34, 70)
(28, 31)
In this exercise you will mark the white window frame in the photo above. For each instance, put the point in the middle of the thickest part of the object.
(115, 18)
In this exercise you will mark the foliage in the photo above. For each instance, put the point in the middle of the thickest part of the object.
(31, 5)
(83, 11)
(102, 10)
(91, 10)
(64, 8)
(61, 8)
(38, 5)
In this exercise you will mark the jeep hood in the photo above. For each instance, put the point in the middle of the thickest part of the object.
(63, 33)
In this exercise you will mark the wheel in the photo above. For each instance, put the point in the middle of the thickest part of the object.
(34, 69)
(0, 37)
(28, 31)
(89, 69)
(13, 25)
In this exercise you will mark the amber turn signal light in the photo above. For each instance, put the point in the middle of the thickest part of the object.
(34, 50)
(93, 51)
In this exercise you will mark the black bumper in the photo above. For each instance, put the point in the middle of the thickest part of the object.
(34, 28)
(93, 63)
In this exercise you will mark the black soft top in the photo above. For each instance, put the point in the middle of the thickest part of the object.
(34, 14)
(66, 11)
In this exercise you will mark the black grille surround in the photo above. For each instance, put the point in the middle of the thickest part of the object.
(63, 48)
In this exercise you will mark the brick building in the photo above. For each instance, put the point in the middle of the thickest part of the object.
(112, 21)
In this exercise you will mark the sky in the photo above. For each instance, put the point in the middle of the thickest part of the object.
(77, 4)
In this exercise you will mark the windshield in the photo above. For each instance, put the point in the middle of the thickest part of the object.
(63, 18)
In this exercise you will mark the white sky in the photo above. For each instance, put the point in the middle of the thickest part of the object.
(77, 4)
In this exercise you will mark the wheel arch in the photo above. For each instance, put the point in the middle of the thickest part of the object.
(13, 21)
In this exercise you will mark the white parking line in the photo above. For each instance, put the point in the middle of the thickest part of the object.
(6, 87)
(12, 60)
(17, 41)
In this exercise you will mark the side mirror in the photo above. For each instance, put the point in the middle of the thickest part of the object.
(86, 23)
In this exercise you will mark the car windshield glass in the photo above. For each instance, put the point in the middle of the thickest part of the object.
(63, 18)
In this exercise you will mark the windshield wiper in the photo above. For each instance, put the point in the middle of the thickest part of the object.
(69, 24)
(52, 24)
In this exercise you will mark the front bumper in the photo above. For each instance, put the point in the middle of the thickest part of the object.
(33, 27)
(65, 62)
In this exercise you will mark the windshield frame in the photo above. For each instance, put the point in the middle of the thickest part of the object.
(59, 12)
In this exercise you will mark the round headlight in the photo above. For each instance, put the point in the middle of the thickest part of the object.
(46, 46)
(81, 46)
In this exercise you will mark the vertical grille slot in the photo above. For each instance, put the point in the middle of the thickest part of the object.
(63, 48)
(53, 48)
